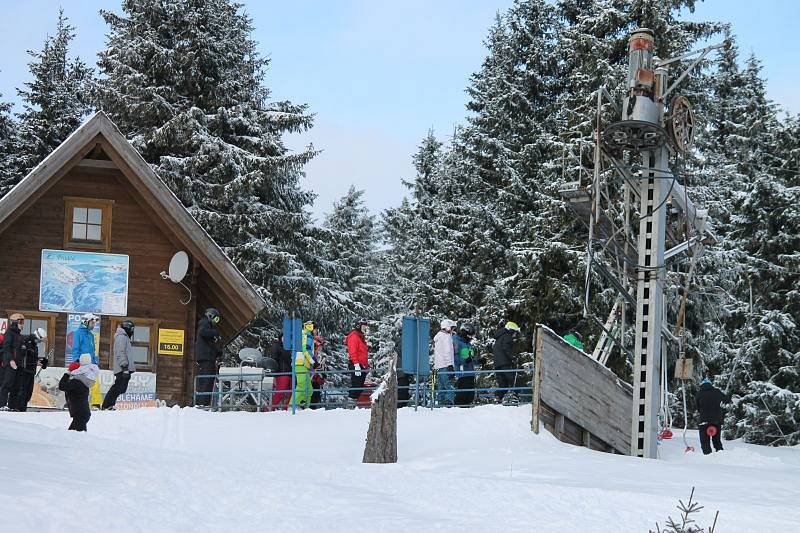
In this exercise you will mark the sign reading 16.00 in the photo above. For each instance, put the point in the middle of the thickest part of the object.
(170, 341)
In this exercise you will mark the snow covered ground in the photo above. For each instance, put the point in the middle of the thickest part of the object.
(154, 470)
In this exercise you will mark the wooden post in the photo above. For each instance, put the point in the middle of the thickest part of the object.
(381, 444)
(559, 426)
(586, 439)
(537, 381)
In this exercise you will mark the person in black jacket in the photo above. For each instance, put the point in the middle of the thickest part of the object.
(504, 359)
(708, 400)
(12, 355)
(27, 368)
(282, 385)
(207, 352)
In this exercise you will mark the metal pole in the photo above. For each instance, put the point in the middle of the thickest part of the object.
(416, 356)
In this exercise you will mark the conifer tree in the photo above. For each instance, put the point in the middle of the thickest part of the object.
(184, 82)
(55, 101)
(7, 133)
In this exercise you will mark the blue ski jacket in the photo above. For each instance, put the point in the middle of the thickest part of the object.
(464, 357)
(83, 342)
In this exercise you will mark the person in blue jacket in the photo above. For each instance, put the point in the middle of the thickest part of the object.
(464, 362)
(83, 339)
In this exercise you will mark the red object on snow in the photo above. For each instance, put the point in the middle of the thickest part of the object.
(75, 365)
(711, 431)
(666, 433)
(364, 399)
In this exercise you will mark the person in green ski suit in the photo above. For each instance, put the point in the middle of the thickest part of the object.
(302, 364)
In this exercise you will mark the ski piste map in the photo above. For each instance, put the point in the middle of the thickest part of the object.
(84, 282)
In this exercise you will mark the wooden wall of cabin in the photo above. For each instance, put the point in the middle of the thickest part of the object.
(133, 233)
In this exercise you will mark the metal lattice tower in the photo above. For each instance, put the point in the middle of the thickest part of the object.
(630, 249)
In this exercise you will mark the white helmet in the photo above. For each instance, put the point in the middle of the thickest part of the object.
(448, 324)
(86, 317)
(40, 334)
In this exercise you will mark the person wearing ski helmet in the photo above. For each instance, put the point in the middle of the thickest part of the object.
(123, 364)
(358, 353)
(12, 355)
(83, 338)
(505, 359)
(31, 358)
(464, 362)
(303, 362)
(207, 353)
(443, 352)
(282, 385)
(708, 401)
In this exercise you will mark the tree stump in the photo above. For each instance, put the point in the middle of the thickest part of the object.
(382, 434)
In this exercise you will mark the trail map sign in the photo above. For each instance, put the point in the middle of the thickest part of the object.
(170, 341)
(83, 282)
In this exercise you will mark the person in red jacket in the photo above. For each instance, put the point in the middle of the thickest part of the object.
(357, 350)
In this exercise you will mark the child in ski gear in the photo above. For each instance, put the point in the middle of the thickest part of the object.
(504, 358)
(708, 400)
(464, 365)
(358, 353)
(303, 362)
(76, 385)
(12, 348)
(123, 365)
(27, 369)
(207, 353)
(282, 386)
(443, 351)
(575, 339)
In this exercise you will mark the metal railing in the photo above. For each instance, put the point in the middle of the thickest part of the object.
(252, 389)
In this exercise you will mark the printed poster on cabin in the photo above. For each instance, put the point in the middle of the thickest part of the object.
(84, 282)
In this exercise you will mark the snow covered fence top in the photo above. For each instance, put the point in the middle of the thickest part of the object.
(574, 392)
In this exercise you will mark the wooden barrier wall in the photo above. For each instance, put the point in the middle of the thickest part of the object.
(577, 399)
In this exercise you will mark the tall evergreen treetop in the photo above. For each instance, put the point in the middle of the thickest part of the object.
(55, 101)
(184, 81)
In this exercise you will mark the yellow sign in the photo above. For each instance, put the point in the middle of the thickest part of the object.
(170, 341)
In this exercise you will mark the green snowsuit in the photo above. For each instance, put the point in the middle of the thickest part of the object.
(302, 365)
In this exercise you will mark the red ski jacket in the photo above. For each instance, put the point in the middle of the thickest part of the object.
(357, 348)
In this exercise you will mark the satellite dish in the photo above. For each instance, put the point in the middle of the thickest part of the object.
(250, 356)
(178, 266)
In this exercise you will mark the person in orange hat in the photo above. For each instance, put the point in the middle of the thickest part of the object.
(12, 346)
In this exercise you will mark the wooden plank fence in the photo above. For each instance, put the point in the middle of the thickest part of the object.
(577, 399)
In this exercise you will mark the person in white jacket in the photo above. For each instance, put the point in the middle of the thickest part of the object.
(443, 353)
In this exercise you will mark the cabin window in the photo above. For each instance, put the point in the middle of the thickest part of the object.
(46, 321)
(144, 344)
(88, 224)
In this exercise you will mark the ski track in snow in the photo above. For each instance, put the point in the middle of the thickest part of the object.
(154, 470)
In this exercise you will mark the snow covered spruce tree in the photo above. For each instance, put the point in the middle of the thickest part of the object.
(184, 82)
(750, 343)
(55, 101)
(350, 285)
(7, 133)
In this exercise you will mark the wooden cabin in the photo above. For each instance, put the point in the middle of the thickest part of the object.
(95, 197)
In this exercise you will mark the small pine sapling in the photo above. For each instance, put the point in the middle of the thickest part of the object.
(686, 524)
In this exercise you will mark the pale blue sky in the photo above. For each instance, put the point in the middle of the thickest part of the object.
(379, 74)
